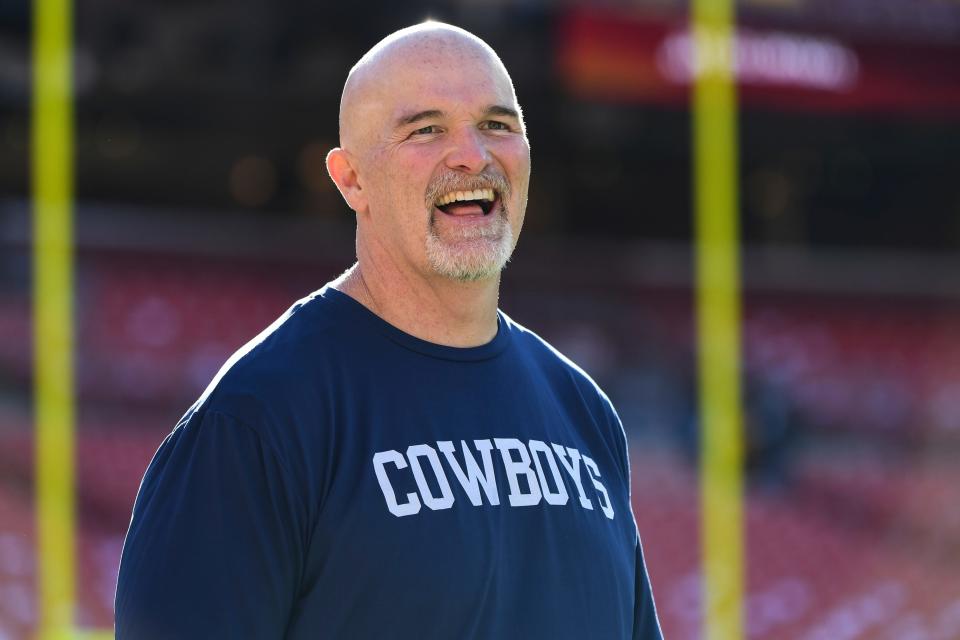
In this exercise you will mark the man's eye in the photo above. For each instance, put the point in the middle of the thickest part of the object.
(425, 130)
(496, 125)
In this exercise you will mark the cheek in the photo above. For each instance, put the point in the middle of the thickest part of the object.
(515, 157)
(395, 184)
(517, 166)
(405, 176)
(409, 176)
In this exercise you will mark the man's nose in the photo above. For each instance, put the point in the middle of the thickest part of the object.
(469, 152)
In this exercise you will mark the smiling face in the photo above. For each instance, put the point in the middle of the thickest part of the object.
(431, 127)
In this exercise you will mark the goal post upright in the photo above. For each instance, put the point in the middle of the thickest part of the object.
(718, 310)
(52, 171)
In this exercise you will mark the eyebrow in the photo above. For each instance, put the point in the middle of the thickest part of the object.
(500, 110)
(494, 110)
(411, 118)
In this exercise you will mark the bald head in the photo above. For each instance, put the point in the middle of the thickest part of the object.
(425, 48)
(426, 117)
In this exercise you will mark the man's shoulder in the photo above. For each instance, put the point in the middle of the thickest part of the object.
(284, 358)
(574, 388)
(551, 360)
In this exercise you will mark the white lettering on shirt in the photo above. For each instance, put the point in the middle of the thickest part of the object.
(560, 497)
(524, 465)
(380, 459)
(517, 468)
(473, 479)
(595, 478)
(573, 468)
(414, 453)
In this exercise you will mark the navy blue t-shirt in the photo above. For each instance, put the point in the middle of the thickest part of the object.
(343, 479)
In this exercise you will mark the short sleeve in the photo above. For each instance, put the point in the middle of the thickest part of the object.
(215, 543)
(646, 625)
(619, 439)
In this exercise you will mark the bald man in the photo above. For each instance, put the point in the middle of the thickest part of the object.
(395, 457)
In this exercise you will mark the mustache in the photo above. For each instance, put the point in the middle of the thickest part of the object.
(447, 182)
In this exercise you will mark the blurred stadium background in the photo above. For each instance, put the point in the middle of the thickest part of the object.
(203, 210)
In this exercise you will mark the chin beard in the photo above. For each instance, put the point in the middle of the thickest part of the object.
(474, 254)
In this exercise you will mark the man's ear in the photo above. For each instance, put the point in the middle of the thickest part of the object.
(343, 171)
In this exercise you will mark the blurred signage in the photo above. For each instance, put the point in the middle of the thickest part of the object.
(611, 57)
(921, 21)
(768, 58)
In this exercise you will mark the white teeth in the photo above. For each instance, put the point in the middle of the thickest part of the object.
(460, 196)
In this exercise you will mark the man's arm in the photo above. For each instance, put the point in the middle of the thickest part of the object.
(646, 625)
(215, 541)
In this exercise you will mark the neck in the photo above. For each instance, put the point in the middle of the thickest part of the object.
(438, 310)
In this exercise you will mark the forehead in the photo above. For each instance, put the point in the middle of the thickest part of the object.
(444, 79)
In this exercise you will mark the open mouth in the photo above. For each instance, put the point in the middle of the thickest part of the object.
(467, 203)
